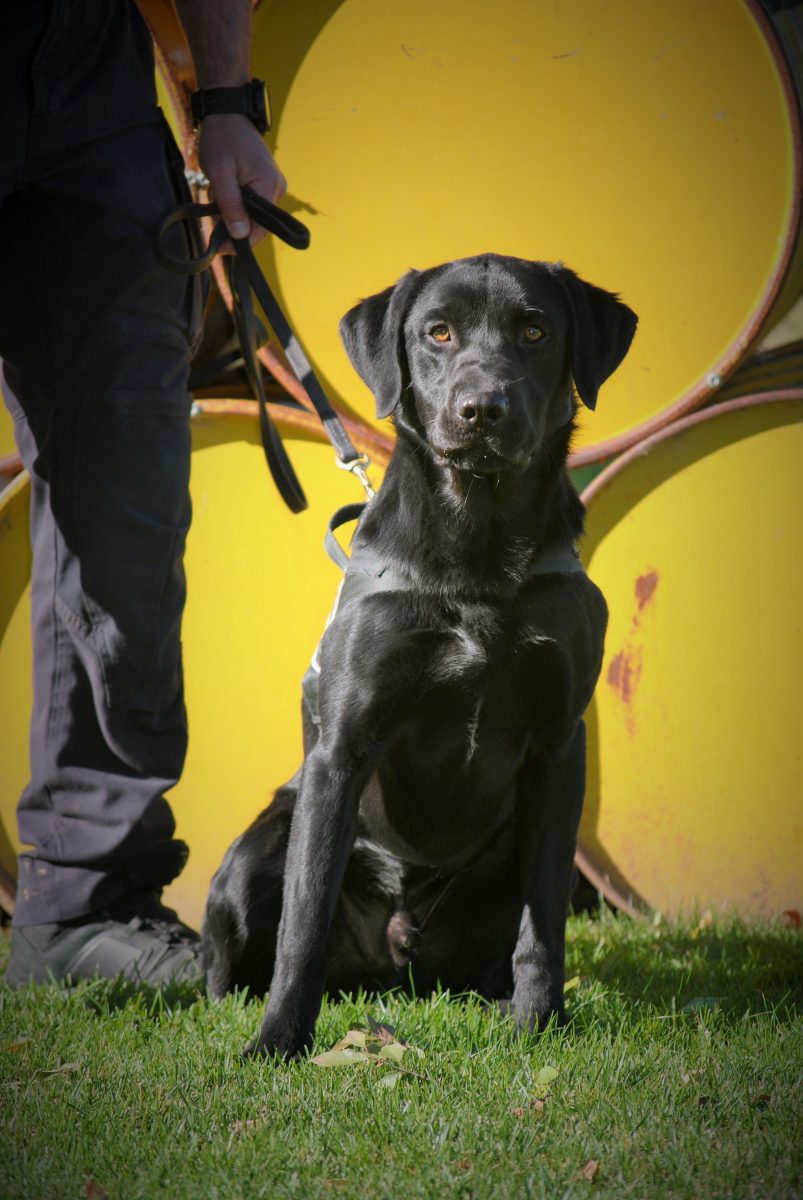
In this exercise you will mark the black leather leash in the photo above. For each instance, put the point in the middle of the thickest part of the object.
(244, 278)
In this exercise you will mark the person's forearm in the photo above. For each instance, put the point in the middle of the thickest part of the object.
(219, 37)
(231, 151)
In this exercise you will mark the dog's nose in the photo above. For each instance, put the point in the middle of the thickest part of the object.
(486, 409)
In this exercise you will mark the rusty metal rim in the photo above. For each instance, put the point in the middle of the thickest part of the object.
(378, 447)
(754, 400)
(10, 489)
(584, 858)
(8, 892)
(10, 464)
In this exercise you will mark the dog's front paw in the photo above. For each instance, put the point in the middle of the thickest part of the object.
(272, 1042)
(532, 1014)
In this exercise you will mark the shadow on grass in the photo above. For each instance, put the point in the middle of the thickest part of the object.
(104, 996)
(737, 968)
(624, 967)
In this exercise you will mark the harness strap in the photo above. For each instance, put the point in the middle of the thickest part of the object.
(244, 276)
(563, 560)
(348, 512)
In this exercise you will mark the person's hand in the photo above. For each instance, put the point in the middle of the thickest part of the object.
(232, 154)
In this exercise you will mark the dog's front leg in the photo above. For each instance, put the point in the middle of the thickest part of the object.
(321, 838)
(549, 804)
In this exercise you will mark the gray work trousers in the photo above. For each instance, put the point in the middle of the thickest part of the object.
(96, 339)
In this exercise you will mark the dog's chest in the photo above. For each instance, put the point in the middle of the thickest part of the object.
(449, 775)
(485, 667)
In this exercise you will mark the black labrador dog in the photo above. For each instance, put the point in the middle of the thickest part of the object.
(430, 832)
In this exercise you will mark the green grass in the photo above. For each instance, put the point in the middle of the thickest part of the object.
(678, 1076)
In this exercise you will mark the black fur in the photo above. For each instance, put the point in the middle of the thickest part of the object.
(430, 832)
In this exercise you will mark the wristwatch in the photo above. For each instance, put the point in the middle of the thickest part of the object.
(251, 99)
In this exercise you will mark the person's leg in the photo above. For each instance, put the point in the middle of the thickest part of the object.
(95, 339)
(108, 730)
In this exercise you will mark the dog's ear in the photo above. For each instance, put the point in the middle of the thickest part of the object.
(373, 334)
(602, 330)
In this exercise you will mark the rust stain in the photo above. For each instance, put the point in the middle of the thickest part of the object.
(615, 670)
(624, 673)
(624, 670)
(645, 588)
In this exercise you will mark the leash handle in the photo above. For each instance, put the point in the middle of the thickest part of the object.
(275, 220)
(190, 212)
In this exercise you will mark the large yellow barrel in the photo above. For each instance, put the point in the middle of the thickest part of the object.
(694, 769)
(652, 147)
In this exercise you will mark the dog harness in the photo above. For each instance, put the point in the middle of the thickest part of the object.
(364, 573)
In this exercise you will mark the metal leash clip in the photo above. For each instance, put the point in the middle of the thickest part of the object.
(358, 467)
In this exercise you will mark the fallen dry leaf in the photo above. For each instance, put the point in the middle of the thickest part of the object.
(249, 1124)
(15, 1047)
(385, 1033)
(379, 1041)
(354, 1037)
(64, 1069)
(94, 1191)
(791, 917)
(378, 1047)
(347, 1056)
(392, 1052)
(590, 1169)
(518, 1112)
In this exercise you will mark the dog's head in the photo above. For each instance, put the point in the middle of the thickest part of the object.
(478, 356)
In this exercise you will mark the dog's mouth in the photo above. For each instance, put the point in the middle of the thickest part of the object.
(482, 460)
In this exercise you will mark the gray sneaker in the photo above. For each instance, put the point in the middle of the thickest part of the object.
(148, 946)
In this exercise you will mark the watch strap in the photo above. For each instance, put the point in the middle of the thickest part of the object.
(249, 100)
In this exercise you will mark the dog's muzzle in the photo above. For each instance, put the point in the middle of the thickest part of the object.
(481, 411)
(484, 432)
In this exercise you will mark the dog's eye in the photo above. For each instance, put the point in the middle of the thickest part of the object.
(532, 333)
(440, 333)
